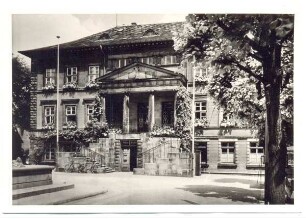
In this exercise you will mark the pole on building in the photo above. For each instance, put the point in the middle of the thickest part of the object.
(193, 116)
(57, 106)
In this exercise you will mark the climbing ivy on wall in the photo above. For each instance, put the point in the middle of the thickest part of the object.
(95, 129)
(183, 117)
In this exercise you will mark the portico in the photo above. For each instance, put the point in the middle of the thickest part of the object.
(139, 96)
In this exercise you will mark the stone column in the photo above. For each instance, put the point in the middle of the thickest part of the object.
(174, 116)
(126, 114)
(151, 116)
(103, 113)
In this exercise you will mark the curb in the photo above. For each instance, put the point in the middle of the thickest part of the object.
(39, 191)
(233, 173)
(77, 198)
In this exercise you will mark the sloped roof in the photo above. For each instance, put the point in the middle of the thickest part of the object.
(120, 35)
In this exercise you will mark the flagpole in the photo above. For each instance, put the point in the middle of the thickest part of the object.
(193, 117)
(57, 106)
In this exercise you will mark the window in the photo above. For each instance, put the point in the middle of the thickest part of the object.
(227, 120)
(168, 60)
(147, 60)
(200, 71)
(50, 76)
(200, 110)
(256, 153)
(49, 153)
(49, 115)
(167, 113)
(89, 112)
(104, 36)
(71, 113)
(119, 63)
(227, 152)
(93, 73)
(150, 32)
(71, 76)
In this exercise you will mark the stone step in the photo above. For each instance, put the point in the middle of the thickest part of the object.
(38, 190)
(105, 170)
(138, 171)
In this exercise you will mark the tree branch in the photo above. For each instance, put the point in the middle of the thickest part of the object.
(250, 72)
(242, 36)
(289, 34)
(256, 56)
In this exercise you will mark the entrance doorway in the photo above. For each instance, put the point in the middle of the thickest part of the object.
(202, 147)
(129, 155)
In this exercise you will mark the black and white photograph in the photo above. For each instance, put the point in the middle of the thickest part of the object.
(152, 109)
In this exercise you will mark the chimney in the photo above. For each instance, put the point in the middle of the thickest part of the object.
(134, 24)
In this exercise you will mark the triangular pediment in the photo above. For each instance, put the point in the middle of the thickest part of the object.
(138, 71)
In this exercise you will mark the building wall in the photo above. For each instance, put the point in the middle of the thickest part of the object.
(83, 60)
(213, 113)
(241, 157)
(82, 99)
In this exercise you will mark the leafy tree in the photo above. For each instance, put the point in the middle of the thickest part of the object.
(21, 93)
(250, 58)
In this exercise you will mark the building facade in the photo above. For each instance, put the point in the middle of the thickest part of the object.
(136, 73)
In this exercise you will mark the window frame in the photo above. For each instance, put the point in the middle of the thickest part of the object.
(150, 60)
(49, 152)
(72, 74)
(45, 116)
(88, 115)
(200, 71)
(229, 159)
(169, 60)
(52, 71)
(257, 155)
(67, 115)
(163, 106)
(201, 111)
(96, 74)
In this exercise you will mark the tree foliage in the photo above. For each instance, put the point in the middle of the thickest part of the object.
(250, 61)
(21, 92)
(228, 46)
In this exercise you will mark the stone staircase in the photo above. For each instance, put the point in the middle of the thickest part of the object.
(105, 169)
(97, 155)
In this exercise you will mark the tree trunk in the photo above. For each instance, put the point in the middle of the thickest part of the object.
(276, 147)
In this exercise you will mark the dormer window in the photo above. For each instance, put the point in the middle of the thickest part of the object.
(104, 36)
(150, 32)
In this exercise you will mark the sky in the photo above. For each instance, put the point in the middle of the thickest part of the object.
(35, 31)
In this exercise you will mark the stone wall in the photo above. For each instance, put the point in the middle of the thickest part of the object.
(162, 156)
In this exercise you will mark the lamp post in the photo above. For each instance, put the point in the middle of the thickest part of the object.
(57, 105)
